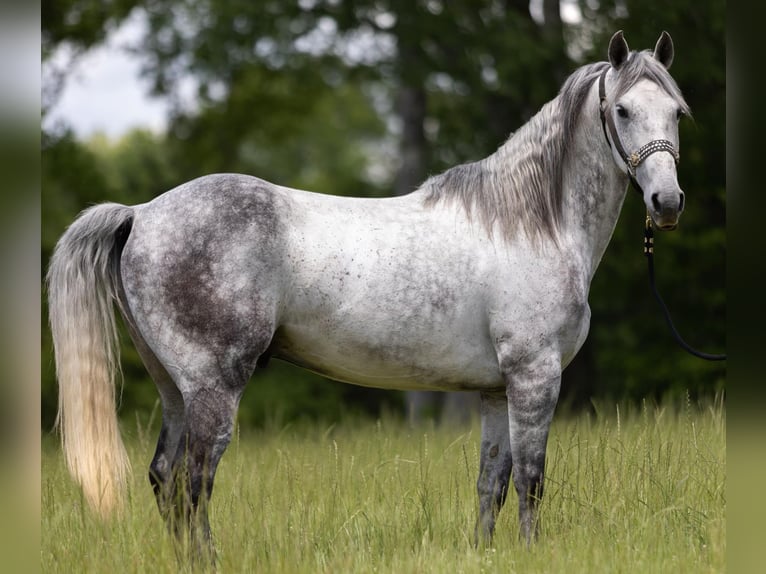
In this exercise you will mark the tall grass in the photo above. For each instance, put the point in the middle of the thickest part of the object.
(627, 490)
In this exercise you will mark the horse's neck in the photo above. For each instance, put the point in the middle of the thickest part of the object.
(594, 189)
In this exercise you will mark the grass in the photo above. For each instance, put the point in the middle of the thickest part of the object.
(627, 490)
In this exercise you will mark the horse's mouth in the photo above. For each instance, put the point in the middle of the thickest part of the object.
(664, 223)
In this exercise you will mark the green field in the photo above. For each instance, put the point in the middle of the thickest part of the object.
(627, 490)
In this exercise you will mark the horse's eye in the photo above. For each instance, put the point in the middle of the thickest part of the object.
(679, 113)
(621, 111)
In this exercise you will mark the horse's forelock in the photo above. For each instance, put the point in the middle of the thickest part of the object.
(643, 65)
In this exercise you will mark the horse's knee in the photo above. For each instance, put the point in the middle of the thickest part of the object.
(494, 477)
(528, 482)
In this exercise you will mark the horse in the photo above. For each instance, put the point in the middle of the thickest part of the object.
(476, 281)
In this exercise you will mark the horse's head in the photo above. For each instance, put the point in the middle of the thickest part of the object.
(640, 110)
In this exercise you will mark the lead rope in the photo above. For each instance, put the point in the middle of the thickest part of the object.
(649, 252)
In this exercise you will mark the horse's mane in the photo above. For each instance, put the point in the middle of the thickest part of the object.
(521, 184)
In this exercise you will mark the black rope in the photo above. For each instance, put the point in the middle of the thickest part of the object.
(649, 252)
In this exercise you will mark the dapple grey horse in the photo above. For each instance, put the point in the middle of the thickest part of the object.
(478, 280)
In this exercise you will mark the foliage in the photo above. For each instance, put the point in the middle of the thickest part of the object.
(81, 23)
(269, 126)
(628, 490)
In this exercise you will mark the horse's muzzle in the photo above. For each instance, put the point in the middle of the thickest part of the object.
(666, 208)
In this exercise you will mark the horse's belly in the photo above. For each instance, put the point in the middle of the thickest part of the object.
(395, 362)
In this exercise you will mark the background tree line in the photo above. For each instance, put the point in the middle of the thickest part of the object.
(369, 97)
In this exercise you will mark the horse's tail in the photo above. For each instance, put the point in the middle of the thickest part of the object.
(83, 280)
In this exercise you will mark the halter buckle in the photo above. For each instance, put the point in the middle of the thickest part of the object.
(648, 236)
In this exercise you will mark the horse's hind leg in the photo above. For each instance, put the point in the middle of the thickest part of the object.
(160, 469)
(168, 474)
(495, 464)
(197, 428)
(209, 415)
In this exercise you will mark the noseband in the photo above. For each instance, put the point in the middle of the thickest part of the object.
(632, 160)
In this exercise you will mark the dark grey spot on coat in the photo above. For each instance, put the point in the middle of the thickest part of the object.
(216, 271)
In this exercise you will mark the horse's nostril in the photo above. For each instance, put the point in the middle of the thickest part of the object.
(681, 200)
(656, 202)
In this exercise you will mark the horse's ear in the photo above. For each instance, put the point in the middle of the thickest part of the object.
(618, 50)
(663, 51)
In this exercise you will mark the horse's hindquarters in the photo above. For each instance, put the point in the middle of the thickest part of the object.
(200, 274)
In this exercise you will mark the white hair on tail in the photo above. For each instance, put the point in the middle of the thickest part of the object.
(82, 288)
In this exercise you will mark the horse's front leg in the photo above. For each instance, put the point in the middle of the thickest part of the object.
(532, 389)
(495, 464)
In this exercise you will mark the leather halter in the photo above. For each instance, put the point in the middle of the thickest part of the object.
(632, 160)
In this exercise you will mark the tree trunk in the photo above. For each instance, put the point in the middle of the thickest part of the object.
(553, 36)
(413, 148)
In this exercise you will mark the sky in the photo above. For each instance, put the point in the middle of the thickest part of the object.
(105, 93)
